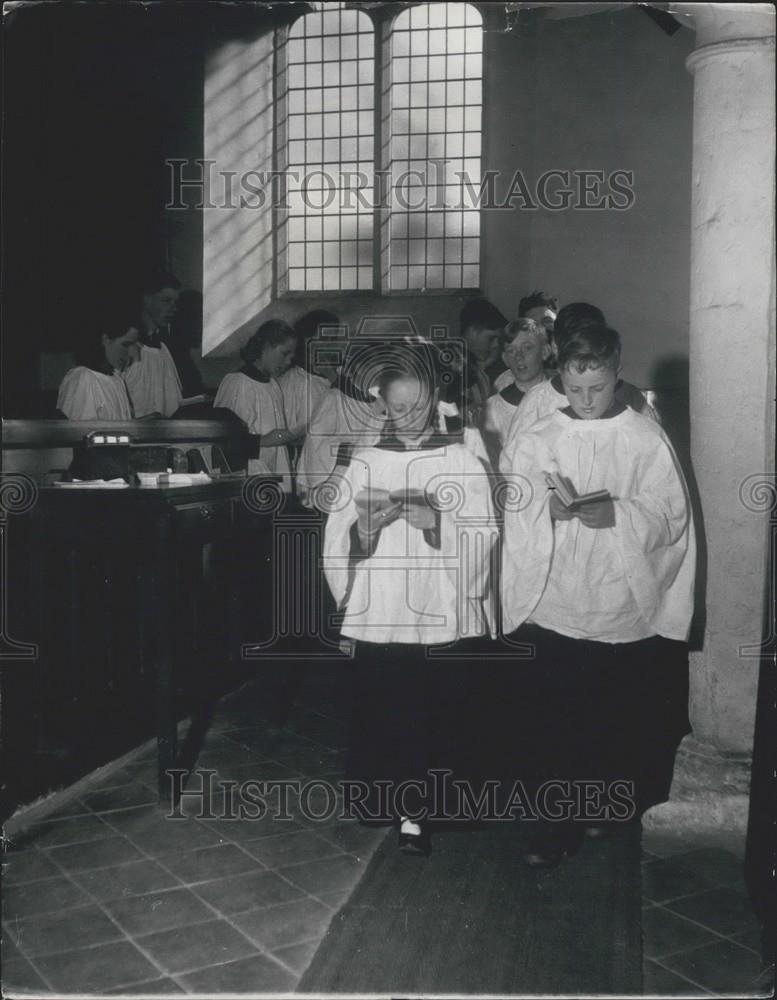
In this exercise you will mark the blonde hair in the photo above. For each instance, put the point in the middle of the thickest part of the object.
(516, 326)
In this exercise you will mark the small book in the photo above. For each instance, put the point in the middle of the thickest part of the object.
(378, 499)
(409, 498)
(569, 496)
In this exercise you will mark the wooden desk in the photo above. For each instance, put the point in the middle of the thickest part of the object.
(92, 550)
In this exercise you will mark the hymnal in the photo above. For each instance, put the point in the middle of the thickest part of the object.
(569, 496)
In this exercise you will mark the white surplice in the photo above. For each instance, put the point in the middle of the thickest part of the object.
(153, 382)
(259, 404)
(85, 394)
(617, 584)
(543, 399)
(408, 590)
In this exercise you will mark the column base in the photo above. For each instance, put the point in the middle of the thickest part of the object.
(708, 801)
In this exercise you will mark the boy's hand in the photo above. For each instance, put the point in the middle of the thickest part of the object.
(558, 511)
(422, 518)
(372, 519)
(597, 515)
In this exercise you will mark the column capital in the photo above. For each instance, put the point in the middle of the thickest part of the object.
(720, 22)
(730, 46)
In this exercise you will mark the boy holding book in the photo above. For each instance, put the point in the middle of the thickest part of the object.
(541, 400)
(603, 589)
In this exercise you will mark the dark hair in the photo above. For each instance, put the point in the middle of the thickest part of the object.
(535, 300)
(155, 281)
(111, 321)
(481, 315)
(576, 317)
(598, 346)
(419, 361)
(306, 328)
(270, 333)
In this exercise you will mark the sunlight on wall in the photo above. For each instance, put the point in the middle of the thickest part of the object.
(237, 256)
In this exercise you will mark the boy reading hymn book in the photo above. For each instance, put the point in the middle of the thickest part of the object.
(602, 589)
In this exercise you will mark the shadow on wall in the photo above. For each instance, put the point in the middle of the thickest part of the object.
(670, 380)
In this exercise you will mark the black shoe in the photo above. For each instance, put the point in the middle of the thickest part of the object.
(553, 843)
(415, 843)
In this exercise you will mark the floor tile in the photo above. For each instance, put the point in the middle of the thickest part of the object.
(74, 830)
(185, 949)
(666, 844)
(334, 900)
(9, 949)
(752, 939)
(210, 863)
(145, 771)
(291, 849)
(50, 933)
(310, 759)
(247, 892)
(297, 956)
(227, 752)
(161, 843)
(133, 879)
(723, 967)
(94, 970)
(118, 776)
(141, 819)
(327, 875)
(664, 933)
(123, 797)
(49, 894)
(668, 878)
(19, 976)
(156, 988)
(259, 974)
(354, 838)
(156, 832)
(258, 770)
(98, 854)
(158, 911)
(275, 927)
(257, 739)
(75, 807)
(658, 981)
(241, 830)
(27, 866)
(725, 910)
(716, 866)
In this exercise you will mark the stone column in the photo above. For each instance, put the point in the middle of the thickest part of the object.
(731, 396)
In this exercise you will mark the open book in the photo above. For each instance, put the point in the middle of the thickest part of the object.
(377, 499)
(569, 496)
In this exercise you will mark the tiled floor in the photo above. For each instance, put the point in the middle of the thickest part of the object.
(111, 895)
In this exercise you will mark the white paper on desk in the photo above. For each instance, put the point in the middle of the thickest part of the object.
(183, 478)
(94, 484)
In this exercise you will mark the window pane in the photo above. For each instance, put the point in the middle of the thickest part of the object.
(330, 136)
(399, 278)
(415, 277)
(444, 123)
